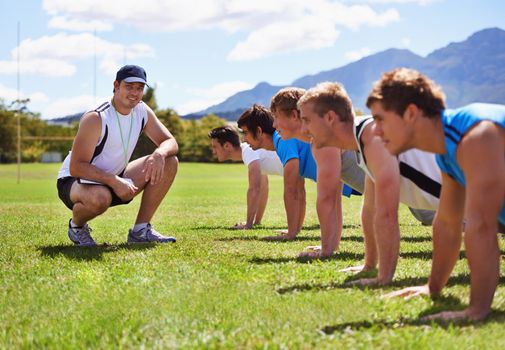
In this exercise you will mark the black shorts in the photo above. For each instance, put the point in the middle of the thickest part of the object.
(64, 186)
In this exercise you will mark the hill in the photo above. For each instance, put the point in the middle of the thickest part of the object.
(468, 71)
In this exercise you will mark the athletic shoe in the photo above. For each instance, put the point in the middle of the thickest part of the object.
(148, 234)
(81, 236)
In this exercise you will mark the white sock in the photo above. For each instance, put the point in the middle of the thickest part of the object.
(139, 227)
(73, 225)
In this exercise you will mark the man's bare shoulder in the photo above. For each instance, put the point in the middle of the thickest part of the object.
(483, 132)
(90, 121)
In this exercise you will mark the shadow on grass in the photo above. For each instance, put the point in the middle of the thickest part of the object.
(306, 260)
(461, 279)
(403, 239)
(416, 239)
(457, 280)
(90, 253)
(264, 239)
(258, 227)
(448, 303)
(427, 255)
(264, 227)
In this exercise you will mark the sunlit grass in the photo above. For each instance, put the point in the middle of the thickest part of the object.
(214, 288)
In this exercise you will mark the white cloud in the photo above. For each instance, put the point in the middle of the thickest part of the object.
(204, 98)
(52, 55)
(309, 33)
(71, 105)
(9, 95)
(419, 2)
(406, 42)
(288, 24)
(42, 66)
(61, 22)
(357, 54)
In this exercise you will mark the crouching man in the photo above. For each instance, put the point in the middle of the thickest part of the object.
(97, 174)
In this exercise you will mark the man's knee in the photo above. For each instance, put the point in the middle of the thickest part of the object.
(171, 166)
(100, 200)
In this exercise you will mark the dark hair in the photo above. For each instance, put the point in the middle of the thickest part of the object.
(225, 134)
(256, 117)
(402, 86)
(286, 99)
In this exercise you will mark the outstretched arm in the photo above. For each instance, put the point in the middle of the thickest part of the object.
(253, 192)
(262, 200)
(385, 169)
(367, 223)
(291, 200)
(329, 199)
(446, 240)
(481, 156)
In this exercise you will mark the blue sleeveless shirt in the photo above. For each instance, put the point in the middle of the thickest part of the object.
(455, 124)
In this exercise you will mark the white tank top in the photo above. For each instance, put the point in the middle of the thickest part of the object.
(109, 154)
(420, 177)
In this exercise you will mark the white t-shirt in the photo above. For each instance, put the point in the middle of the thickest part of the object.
(270, 164)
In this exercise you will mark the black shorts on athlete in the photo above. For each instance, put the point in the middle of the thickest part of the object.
(64, 186)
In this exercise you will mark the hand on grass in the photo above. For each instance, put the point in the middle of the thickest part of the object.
(241, 226)
(409, 292)
(281, 237)
(281, 232)
(357, 269)
(312, 251)
(364, 282)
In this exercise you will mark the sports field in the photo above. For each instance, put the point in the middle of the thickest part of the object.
(215, 287)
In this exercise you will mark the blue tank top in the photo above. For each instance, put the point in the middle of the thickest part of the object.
(294, 148)
(455, 124)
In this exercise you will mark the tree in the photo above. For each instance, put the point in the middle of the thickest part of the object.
(149, 98)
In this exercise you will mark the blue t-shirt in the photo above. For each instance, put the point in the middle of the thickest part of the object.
(296, 149)
(456, 124)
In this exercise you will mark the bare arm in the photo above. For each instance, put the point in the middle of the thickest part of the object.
(329, 200)
(292, 197)
(367, 222)
(302, 202)
(262, 200)
(167, 146)
(385, 169)
(447, 227)
(82, 151)
(446, 233)
(481, 155)
(253, 192)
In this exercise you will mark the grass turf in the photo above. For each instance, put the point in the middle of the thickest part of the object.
(214, 288)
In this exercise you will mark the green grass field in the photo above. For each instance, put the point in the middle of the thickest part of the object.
(214, 288)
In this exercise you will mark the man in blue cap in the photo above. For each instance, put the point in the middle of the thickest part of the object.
(97, 174)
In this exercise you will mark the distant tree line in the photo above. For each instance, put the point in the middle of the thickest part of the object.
(191, 135)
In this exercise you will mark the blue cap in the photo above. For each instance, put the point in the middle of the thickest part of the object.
(132, 74)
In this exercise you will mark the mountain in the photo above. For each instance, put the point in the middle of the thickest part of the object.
(468, 71)
(233, 106)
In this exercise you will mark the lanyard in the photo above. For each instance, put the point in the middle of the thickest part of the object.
(125, 146)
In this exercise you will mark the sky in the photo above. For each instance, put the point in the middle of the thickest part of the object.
(199, 52)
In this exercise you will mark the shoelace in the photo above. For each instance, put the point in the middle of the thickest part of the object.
(152, 232)
(84, 235)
